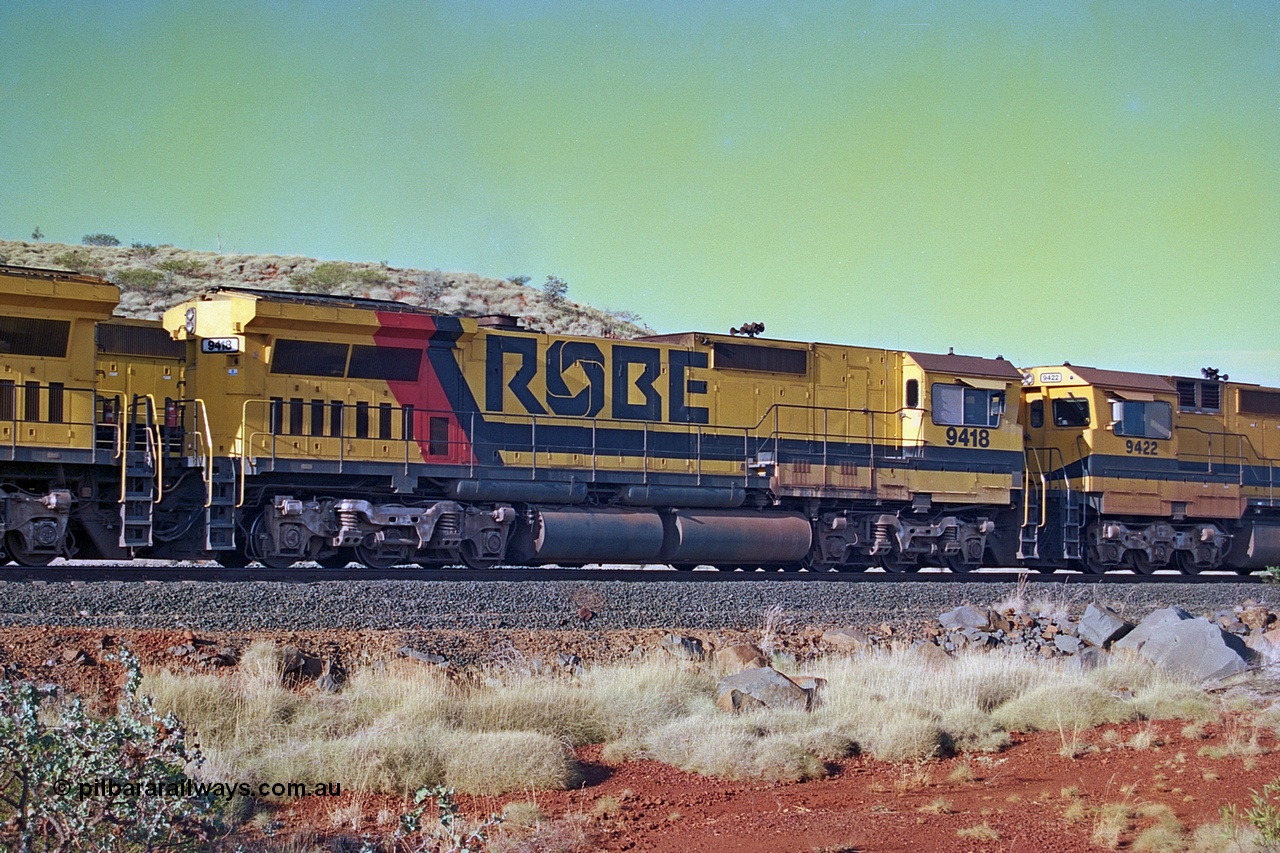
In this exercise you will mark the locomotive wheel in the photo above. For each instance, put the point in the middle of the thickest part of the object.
(1184, 563)
(18, 552)
(895, 563)
(1139, 562)
(1093, 565)
(956, 563)
(375, 559)
(257, 533)
(472, 559)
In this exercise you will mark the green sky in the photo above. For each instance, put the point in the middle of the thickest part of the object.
(1095, 182)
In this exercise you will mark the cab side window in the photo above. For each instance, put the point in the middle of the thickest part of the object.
(958, 405)
(1037, 414)
(1143, 420)
(1071, 412)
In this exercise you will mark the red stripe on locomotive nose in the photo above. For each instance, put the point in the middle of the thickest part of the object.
(428, 396)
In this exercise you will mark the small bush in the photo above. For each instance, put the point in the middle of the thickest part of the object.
(1262, 816)
(78, 260)
(555, 290)
(49, 743)
(142, 250)
(178, 266)
(327, 277)
(432, 285)
(136, 278)
(100, 240)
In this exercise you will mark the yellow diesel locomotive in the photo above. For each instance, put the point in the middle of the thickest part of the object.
(1145, 472)
(89, 413)
(357, 429)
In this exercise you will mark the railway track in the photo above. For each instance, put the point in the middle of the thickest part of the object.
(85, 572)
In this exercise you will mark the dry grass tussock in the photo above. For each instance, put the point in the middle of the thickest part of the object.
(403, 726)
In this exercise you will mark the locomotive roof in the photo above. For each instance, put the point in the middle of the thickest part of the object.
(966, 365)
(1122, 380)
(59, 275)
(323, 299)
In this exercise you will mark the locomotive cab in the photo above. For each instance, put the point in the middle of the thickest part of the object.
(1111, 479)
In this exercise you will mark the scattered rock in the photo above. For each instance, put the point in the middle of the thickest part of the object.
(965, 616)
(297, 665)
(76, 657)
(847, 639)
(1067, 644)
(1101, 626)
(1257, 618)
(734, 701)
(423, 657)
(765, 685)
(1150, 626)
(739, 657)
(683, 648)
(586, 614)
(1193, 647)
(332, 678)
(813, 686)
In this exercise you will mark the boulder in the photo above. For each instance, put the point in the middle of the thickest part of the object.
(1100, 626)
(332, 678)
(1067, 644)
(1257, 618)
(765, 685)
(1088, 658)
(813, 686)
(423, 657)
(299, 664)
(965, 616)
(847, 639)
(739, 657)
(1195, 648)
(683, 648)
(734, 701)
(1266, 644)
(1153, 623)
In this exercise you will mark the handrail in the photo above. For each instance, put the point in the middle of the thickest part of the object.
(852, 426)
(153, 441)
(205, 440)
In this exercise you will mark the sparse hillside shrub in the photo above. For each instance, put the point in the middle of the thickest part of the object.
(142, 251)
(431, 285)
(79, 260)
(37, 234)
(52, 753)
(182, 266)
(371, 278)
(518, 280)
(326, 277)
(555, 290)
(100, 240)
(137, 278)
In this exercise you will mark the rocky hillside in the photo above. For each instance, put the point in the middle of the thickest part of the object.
(154, 278)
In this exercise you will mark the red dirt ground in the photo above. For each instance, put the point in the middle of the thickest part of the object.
(1029, 796)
